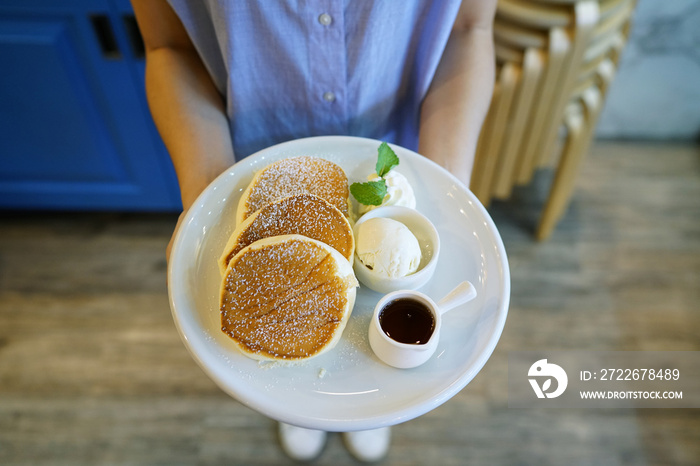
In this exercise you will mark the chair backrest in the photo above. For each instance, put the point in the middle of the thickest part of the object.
(552, 56)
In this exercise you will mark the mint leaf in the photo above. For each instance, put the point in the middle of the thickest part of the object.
(386, 161)
(369, 193)
(374, 192)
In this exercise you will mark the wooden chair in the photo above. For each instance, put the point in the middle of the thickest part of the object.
(555, 61)
(585, 17)
(491, 138)
(523, 103)
(590, 92)
(534, 14)
(557, 52)
(580, 122)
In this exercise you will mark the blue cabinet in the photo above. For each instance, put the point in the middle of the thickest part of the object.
(75, 130)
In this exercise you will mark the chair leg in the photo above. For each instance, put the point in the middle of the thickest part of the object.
(511, 154)
(562, 186)
(508, 78)
(555, 57)
(580, 123)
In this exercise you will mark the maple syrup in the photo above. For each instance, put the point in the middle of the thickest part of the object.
(407, 320)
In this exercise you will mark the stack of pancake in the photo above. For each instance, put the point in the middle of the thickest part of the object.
(288, 285)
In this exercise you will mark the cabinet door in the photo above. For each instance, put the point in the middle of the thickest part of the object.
(75, 132)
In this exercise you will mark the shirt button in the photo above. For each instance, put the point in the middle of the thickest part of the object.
(328, 96)
(325, 19)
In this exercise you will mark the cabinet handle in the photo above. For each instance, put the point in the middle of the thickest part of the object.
(134, 33)
(105, 36)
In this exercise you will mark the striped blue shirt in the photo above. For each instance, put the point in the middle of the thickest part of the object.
(296, 68)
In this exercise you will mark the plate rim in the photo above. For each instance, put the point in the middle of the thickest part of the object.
(440, 397)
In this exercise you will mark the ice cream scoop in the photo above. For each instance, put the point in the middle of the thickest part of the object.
(399, 192)
(428, 239)
(387, 247)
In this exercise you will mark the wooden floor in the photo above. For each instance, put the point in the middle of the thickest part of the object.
(92, 370)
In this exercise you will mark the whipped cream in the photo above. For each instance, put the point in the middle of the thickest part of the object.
(399, 192)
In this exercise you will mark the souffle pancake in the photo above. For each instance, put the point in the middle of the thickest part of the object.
(286, 298)
(303, 214)
(295, 175)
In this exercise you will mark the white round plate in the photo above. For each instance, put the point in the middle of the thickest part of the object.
(347, 388)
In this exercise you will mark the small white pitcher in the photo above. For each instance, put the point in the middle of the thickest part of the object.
(408, 355)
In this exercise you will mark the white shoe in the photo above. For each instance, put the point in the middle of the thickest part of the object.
(368, 445)
(301, 444)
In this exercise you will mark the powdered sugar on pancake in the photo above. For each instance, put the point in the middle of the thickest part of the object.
(287, 297)
(296, 175)
(303, 214)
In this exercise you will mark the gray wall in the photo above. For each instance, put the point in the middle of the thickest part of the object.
(656, 93)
